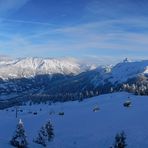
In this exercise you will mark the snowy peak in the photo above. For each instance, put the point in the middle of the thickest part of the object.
(126, 60)
(126, 70)
(28, 67)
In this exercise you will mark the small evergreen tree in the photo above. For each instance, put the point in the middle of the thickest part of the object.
(19, 139)
(49, 130)
(120, 140)
(42, 137)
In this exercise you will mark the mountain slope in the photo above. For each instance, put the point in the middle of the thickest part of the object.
(80, 127)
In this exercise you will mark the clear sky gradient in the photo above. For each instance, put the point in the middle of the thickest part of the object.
(77, 28)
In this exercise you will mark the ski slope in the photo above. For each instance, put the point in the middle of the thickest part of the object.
(80, 127)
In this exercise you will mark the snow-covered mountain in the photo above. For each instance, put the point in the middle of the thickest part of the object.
(67, 78)
(30, 67)
(106, 79)
(127, 70)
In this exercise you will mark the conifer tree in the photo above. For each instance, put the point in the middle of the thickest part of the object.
(19, 138)
(120, 140)
(49, 130)
(42, 137)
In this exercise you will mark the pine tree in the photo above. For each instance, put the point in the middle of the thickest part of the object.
(19, 139)
(42, 137)
(120, 140)
(49, 130)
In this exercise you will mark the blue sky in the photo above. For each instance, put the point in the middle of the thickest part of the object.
(89, 29)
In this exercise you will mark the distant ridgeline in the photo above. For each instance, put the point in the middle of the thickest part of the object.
(126, 76)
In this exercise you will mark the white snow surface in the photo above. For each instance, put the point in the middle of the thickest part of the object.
(80, 127)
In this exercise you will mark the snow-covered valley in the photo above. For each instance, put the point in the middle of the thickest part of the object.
(80, 127)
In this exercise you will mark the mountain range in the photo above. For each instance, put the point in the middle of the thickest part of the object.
(68, 79)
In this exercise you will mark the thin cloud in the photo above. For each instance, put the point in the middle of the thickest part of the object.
(99, 37)
(25, 22)
(105, 9)
(9, 6)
